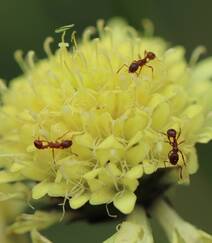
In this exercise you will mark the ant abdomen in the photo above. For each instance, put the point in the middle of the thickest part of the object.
(66, 144)
(173, 158)
(133, 67)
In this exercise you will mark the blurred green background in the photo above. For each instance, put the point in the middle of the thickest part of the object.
(24, 24)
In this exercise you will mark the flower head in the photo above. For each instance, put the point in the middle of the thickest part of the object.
(176, 228)
(99, 132)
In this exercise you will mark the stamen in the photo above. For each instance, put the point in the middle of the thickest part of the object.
(64, 28)
(105, 54)
(30, 59)
(131, 31)
(110, 34)
(46, 46)
(73, 40)
(87, 33)
(18, 55)
(148, 26)
(100, 27)
(198, 51)
(96, 44)
(108, 212)
(63, 206)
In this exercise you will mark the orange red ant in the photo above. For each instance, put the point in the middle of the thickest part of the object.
(139, 64)
(173, 154)
(45, 144)
(40, 144)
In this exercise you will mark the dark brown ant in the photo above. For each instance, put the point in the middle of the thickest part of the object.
(45, 144)
(173, 154)
(139, 64)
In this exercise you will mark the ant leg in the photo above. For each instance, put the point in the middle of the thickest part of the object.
(181, 172)
(139, 71)
(169, 141)
(179, 133)
(151, 69)
(53, 156)
(182, 157)
(163, 133)
(59, 138)
(181, 142)
(170, 152)
(165, 163)
(53, 165)
(145, 52)
(124, 65)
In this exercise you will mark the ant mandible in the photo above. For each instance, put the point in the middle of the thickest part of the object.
(139, 64)
(173, 154)
(44, 144)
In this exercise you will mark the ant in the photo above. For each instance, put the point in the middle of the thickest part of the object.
(139, 64)
(44, 144)
(173, 153)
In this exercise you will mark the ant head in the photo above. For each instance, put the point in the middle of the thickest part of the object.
(66, 143)
(171, 133)
(38, 144)
(133, 67)
(150, 55)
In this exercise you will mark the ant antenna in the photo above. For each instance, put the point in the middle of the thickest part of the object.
(63, 135)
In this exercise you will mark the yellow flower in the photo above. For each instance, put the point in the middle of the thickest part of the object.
(113, 120)
(135, 229)
(38, 238)
(32, 223)
(12, 203)
(176, 228)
